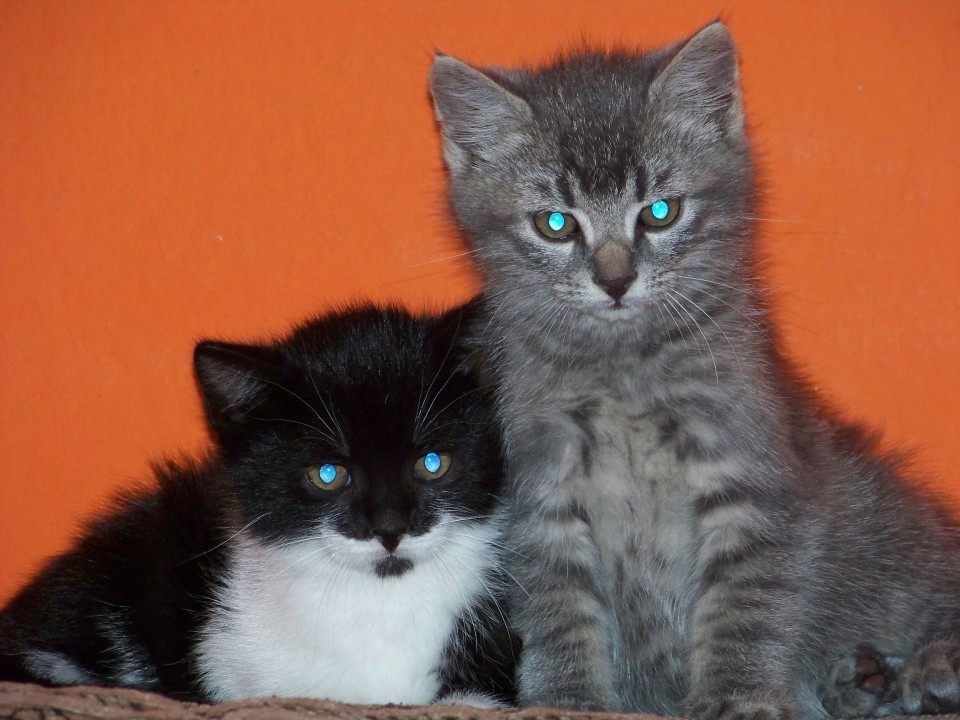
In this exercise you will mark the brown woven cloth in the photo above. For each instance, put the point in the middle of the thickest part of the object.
(32, 702)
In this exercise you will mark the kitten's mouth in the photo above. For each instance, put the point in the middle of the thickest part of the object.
(392, 566)
(614, 309)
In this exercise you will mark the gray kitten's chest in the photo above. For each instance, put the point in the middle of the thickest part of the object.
(632, 487)
(632, 484)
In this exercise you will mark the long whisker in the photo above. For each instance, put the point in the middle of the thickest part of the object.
(674, 312)
(493, 596)
(713, 358)
(295, 395)
(309, 556)
(688, 286)
(323, 435)
(444, 258)
(225, 541)
(434, 415)
(498, 545)
(447, 520)
(501, 568)
(326, 408)
(422, 412)
(744, 288)
(722, 332)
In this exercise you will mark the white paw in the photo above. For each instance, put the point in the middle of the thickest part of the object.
(473, 699)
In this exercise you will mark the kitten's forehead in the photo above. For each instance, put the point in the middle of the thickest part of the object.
(387, 409)
(371, 378)
(591, 106)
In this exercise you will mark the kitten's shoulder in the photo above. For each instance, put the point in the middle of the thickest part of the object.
(120, 606)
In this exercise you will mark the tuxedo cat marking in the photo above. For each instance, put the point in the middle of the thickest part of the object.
(341, 541)
(695, 533)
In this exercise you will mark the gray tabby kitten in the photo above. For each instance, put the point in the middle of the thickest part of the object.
(694, 533)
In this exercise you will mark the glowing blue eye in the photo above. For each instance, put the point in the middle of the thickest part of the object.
(431, 467)
(660, 209)
(327, 473)
(328, 476)
(431, 461)
(556, 221)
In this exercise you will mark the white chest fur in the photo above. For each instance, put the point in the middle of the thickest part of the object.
(313, 619)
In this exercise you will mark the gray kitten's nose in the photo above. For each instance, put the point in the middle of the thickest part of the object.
(616, 287)
(613, 269)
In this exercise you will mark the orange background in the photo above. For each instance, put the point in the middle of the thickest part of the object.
(176, 170)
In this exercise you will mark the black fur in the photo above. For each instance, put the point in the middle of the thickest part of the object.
(369, 388)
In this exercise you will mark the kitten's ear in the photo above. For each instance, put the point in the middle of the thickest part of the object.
(234, 379)
(478, 116)
(460, 341)
(702, 81)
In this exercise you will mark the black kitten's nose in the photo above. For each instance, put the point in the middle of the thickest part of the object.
(390, 539)
(616, 287)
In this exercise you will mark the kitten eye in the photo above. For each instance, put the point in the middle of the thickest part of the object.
(660, 213)
(329, 476)
(555, 225)
(432, 466)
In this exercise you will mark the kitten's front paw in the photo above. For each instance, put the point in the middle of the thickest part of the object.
(480, 700)
(931, 678)
(738, 708)
(588, 689)
(864, 684)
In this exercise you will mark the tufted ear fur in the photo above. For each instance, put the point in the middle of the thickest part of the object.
(480, 118)
(701, 84)
(458, 340)
(234, 379)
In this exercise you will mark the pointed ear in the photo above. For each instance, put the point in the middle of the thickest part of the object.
(701, 84)
(459, 336)
(234, 379)
(479, 117)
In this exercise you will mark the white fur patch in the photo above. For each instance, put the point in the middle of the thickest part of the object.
(131, 667)
(473, 699)
(57, 669)
(312, 619)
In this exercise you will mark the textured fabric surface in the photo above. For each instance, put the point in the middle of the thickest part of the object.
(32, 702)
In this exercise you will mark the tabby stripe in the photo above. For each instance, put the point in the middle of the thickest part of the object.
(726, 497)
(575, 575)
(721, 564)
(640, 183)
(563, 187)
(739, 634)
(574, 637)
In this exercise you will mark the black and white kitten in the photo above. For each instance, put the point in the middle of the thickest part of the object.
(694, 533)
(341, 542)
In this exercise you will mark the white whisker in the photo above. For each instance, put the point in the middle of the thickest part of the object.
(713, 358)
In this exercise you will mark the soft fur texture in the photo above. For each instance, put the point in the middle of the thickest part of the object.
(240, 576)
(693, 531)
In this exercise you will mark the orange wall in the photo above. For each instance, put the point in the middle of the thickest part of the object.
(173, 170)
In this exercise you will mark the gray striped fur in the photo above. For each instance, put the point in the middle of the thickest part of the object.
(692, 532)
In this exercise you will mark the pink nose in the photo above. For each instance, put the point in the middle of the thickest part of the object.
(613, 269)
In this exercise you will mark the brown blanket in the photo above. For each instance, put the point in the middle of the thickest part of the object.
(33, 702)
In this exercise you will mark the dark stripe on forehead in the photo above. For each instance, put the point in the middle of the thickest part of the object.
(563, 187)
(640, 181)
(604, 172)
